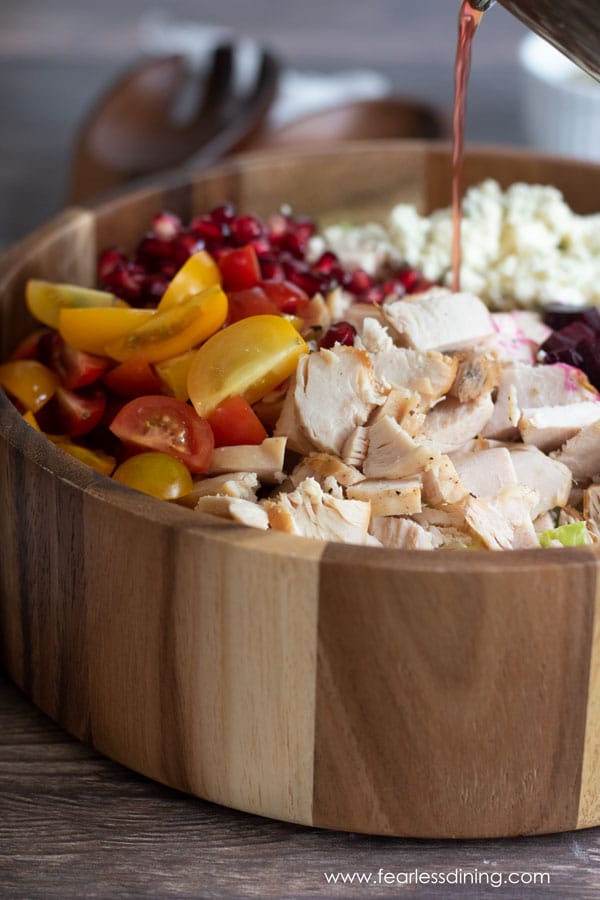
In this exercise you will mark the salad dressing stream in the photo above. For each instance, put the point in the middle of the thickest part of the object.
(468, 22)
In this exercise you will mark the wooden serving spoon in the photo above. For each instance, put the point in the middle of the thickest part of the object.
(133, 131)
(390, 117)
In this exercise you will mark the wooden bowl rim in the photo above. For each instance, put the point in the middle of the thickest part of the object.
(39, 450)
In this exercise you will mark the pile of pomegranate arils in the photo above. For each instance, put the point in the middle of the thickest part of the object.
(281, 245)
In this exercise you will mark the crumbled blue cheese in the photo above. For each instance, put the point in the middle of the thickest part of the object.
(520, 247)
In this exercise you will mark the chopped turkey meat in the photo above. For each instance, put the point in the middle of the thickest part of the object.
(401, 534)
(335, 391)
(439, 320)
(243, 511)
(288, 426)
(484, 474)
(321, 466)
(477, 375)
(392, 452)
(356, 446)
(389, 497)
(429, 373)
(442, 484)
(504, 523)
(548, 427)
(405, 408)
(581, 453)
(451, 424)
(309, 512)
(239, 485)
(530, 387)
(591, 510)
(265, 459)
(550, 478)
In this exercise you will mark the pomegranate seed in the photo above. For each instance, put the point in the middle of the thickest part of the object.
(359, 282)
(277, 226)
(166, 225)
(262, 247)
(340, 333)
(375, 294)
(408, 278)
(188, 244)
(309, 283)
(223, 214)
(245, 229)
(208, 230)
(109, 260)
(326, 263)
(304, 229)
(153, 252)
(393, 287)
(294, 244)
(127, 281)
(271, 269)
(422, 284)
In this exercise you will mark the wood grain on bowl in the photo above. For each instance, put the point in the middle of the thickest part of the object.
(419, 694)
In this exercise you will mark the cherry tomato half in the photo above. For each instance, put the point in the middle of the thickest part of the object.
(46, 299)
(251, 302)
(29, 382)
(234, 422)
(75, 368)
(249, 358)
(73, 413)
(29, 347)
(175, 330)
(133, 378)
(156, 474)
(173, 373)
(95, 459)
(92, 329)
(240, 268)
(167, 425)
(287, 297)
(197, 274)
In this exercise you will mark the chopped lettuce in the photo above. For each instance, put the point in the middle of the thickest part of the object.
(573, 535)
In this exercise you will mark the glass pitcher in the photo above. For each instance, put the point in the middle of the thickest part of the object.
(573, 26)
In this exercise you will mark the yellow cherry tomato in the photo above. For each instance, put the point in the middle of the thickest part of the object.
(30, 382)
(174, 374)
(96, 459)
(156, 474)
(31, 420)
(197, 274)
(92, 329)
(250, 358)
(45, 299)
(175, 330)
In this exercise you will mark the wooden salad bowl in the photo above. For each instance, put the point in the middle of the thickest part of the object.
(426, 694)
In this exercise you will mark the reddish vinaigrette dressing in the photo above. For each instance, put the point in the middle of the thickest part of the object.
(468, 22)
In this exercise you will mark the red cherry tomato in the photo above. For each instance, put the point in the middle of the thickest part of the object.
(133, 378)
(287, 297)
(74, 413)
(75, 368)
(234, 422)
(168, 426)
(240, 268)
(29, 347)
(251, 302)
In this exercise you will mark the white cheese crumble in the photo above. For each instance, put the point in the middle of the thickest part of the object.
(522, 247)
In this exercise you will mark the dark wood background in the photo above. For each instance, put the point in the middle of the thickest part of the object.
(73, 824)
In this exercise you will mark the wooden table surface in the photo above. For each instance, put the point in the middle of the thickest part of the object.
(73, 824)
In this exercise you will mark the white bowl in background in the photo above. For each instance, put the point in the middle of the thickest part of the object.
(560, 103)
